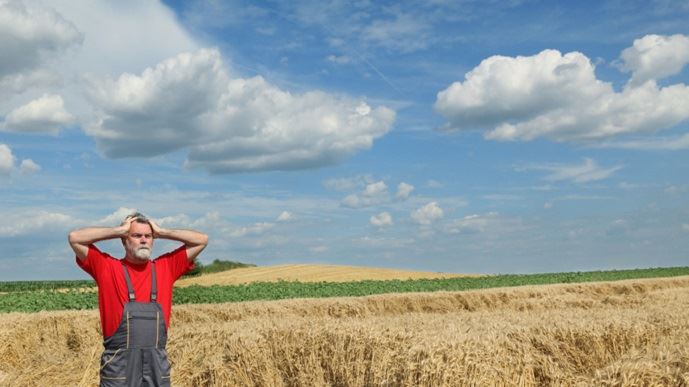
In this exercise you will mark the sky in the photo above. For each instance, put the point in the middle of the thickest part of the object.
(449, 136)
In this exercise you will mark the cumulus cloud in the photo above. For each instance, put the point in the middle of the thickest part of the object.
(116, 217)
(347, 183)
(404, 190)
(381, 220)
(165, 102)
(43, 115)
(651, 144)
(342, 59)
(655, 57)
(7, 163)
(228, 125)
(178, 220)
(29, 35)
(28, 167)
(374, 193)
(558, 97)
(585, 172)
(33, 221)
(404, 33)
(285, 216)
(6, 160)
(254, 229)
(427, 214)
(473, 223)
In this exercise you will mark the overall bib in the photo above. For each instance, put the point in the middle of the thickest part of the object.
(135, 354)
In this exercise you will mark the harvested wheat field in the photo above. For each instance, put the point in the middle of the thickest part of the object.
(308, 273)
(627, 333)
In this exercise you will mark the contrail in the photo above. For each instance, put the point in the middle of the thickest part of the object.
(380, 73)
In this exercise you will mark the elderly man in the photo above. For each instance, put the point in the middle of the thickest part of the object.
(135, 296)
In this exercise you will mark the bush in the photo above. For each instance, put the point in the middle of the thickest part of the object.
(216, 266)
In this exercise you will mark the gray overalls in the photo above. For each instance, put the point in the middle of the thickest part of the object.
(135, 354)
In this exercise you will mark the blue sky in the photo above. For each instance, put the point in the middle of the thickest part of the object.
(470, 137)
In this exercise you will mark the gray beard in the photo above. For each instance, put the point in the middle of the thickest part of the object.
(142, 253)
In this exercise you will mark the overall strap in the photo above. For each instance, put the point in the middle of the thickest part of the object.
(130, 288)
(154, 288)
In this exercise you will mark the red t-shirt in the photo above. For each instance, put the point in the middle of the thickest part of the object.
(112, 287)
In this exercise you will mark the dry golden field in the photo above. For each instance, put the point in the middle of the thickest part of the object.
(627, 333)
(307, 273)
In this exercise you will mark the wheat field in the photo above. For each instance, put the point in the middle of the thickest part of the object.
(626, 333)
(308, 273)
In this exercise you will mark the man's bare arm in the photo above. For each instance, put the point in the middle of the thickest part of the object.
(81, 239)
(194, 241)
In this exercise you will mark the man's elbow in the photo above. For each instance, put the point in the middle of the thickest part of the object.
(72, 237)
(203, 240)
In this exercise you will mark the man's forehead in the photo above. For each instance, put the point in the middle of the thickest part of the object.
(141, 228)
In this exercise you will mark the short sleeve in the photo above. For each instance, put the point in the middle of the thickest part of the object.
(93, 262)
(178, 262)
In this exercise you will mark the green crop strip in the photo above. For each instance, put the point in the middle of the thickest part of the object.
(69, 298)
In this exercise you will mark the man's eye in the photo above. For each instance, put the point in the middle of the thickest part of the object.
(136, 235)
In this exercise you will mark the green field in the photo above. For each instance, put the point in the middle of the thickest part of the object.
(34, 296)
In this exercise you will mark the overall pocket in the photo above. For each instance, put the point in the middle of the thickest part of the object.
(162, 364)
(143, 327)
(113, 367)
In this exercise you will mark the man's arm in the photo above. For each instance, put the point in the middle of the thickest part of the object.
(81, 239)
(194, 241)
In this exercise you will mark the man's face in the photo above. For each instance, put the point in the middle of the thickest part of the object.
(139, 241)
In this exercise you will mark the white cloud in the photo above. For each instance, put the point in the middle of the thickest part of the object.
(342, 59)
(285, 216)
(254, 229)
(585, 172)
(347, 183)
(179, 220)
(404, 33)
(381, 220)
(28, 167)
(655, 57)
(675, 190)
(229, 125)
(43, 115)
(116, 217)
(319, 249)
(33, 221)
(7, 163)
(685, 227)
(661, 143)
(29, 35)
(123, 36)
(166, 102)
(474, 223)
(404, 190)
(374, 193)
(375, 190)
(427, 214)
(6, 160)
(557, 97)
(434, 184)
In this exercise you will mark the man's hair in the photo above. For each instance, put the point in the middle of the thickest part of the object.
(138, 218)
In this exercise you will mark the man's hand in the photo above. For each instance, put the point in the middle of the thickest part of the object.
(123, 229)
(155, 228)
(194, 241)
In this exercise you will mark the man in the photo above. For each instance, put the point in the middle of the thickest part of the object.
(135, 296)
